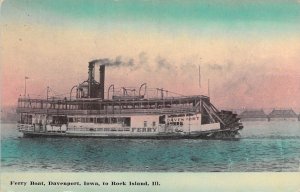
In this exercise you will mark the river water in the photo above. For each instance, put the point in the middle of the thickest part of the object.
(264, 146)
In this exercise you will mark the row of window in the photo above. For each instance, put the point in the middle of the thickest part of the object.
(106, 120)
(146, 123)
(117, 129)
(107, 129)
(181, 115)
(26, 119)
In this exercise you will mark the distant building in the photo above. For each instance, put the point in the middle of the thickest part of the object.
(253, 115)
(283, 115)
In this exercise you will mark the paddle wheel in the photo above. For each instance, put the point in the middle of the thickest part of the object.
(230, 123)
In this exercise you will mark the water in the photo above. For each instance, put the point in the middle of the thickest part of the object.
(264, 146)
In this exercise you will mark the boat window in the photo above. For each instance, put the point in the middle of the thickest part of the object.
(29, 119)
(106, 120)
(181, 123)
(144, 130)
(71, 120)
(20, 118)
(23, 118)
(113, 120)
(98, 120)
(119, 120)
(83, 120)
(145, 123)
(162, 119)
(91, 120)
(127, 121)
(153, 123)
(60, 120)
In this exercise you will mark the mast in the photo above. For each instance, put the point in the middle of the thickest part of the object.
(25, 85)
(208, 91)
(199, 77)
(47, 102)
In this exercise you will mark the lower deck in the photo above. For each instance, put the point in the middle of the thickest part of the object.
(199, 119)
(115, 125)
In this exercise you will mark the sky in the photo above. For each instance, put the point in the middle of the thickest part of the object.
(249, 50)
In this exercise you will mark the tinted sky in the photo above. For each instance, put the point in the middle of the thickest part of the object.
(250, 50)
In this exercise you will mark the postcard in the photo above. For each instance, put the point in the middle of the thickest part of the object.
(150, 95)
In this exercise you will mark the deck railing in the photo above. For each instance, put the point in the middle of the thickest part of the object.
(108, 111)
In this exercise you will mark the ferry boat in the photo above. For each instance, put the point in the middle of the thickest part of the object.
(91, 114)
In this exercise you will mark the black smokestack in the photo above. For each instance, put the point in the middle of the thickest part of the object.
(102, 80)
(91, 78)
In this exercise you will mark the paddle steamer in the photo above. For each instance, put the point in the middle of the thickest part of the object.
(126, 115)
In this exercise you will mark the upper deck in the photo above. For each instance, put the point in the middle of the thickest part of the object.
(98, 106)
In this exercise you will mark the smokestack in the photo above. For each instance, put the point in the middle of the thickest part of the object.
(102, 80)
(90, 80)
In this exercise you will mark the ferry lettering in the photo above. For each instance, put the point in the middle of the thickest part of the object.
(118, 183)
(18, 183)
(37, 183)
(175, 119)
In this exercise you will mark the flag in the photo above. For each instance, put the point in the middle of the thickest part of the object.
(26, 77)
(199, 77)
